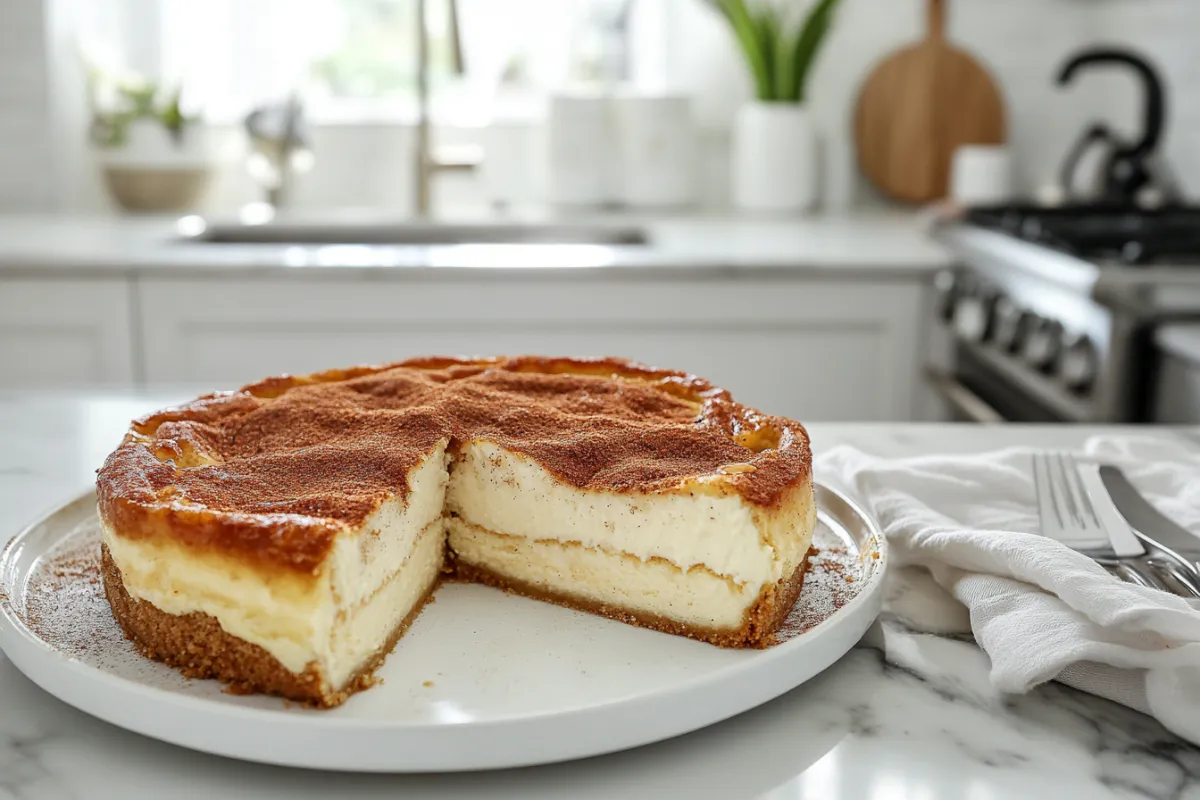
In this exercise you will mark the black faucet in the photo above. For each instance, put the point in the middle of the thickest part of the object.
(1129, 167)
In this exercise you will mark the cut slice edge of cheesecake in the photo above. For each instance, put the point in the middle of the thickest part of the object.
(331, 624)
(697, 561)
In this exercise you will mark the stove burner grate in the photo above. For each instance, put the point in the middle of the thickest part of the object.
(1104, 235)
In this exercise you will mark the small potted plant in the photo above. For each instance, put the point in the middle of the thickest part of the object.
(774, 158)
(154, 156)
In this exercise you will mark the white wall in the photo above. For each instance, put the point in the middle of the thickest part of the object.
(1023, 42)
(26, 177)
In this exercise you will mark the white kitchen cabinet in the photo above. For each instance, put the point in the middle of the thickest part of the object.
(66, 333)
(815, 350)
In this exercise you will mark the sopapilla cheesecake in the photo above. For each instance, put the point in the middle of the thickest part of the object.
(282, 537)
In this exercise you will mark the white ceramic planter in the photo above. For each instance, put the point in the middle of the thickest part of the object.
(152, 172)
(774, 158)
(581, 170)
(148, 144)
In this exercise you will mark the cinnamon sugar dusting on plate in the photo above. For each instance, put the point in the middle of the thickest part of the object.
(834, 578)
(65, 597)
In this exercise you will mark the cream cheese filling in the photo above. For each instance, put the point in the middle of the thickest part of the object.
(656, 588)
(503, 491)
(361, 562)
(372, 623)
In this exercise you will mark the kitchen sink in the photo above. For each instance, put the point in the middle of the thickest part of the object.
(413, 234)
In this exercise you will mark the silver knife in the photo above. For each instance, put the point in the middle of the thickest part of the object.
(1148, 522)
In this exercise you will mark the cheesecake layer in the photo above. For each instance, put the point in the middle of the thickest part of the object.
(695, 597)
(300, 623)
(694, 525)
(654, 595)
(360, 634)
(361, 562)
(334, 617)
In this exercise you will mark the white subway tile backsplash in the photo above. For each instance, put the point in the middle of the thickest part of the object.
(26, 183)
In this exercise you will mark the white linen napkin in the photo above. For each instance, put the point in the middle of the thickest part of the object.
(1040, 610)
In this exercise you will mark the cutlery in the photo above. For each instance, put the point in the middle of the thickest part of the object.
(1149, 524)
(1100, 521)
(1068, 514)
(1124, 541)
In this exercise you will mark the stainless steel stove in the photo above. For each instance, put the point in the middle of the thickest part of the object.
(1052, 311)
(1104, 236)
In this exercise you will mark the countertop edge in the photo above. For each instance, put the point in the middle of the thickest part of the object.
(805, 272)
(849, 247)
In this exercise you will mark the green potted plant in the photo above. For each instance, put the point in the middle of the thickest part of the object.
(153, 155)
(774, 158)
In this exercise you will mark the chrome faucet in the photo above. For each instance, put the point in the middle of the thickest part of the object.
(428, 160)
(279, 148)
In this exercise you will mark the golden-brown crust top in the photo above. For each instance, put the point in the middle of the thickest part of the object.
(275, 470)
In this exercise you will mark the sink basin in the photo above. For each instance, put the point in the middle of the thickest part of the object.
(416, 234)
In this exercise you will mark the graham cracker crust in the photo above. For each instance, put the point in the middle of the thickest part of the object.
(757, 631)
(197, 646)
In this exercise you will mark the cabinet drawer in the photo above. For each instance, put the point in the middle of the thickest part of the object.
(56, 333)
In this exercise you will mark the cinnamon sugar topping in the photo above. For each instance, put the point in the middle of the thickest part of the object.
(287, 462)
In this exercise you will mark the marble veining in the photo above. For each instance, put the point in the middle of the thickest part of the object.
(906, 714)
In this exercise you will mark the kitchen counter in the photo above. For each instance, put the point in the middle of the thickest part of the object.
(878, 246)
(902, 715)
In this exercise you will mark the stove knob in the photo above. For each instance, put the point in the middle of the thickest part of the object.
(947, 287)
(1031, 228)
(1010, 325)
(973, 315)
(1080, 363)
(1043, 344)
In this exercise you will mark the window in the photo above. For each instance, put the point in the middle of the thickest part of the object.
(355, 60)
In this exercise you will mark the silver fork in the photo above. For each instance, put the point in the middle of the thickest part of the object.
(1067, 514)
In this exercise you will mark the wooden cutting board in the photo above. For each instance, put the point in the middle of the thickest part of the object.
(917, 107)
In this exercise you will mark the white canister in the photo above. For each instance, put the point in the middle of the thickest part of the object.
(580, 158)
(656, 148)
(774, 160)
(509, 173)
(981, 175)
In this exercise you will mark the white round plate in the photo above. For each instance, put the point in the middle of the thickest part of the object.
(482, 679)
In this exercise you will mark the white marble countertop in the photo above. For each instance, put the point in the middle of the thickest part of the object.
(876, 246)
(903, 715)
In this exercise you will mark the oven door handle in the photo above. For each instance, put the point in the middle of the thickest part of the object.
(954, 392)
